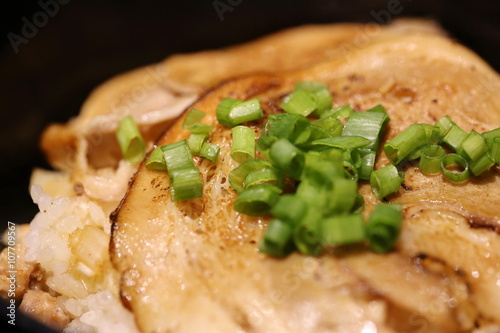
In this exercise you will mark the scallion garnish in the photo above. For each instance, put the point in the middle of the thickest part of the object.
(231, 112)
(195, 142)
(342, 142)
(495, 149)
(265, 175)
(277, 239)
(342, 229)
(156, 161)
(130, 139)
(383, 226)
(385, 181)
(192, 122)
(324, 159)
(369, 125)
(185, 184)
(306, 235)
(444, 124)
(455, 168)
(290, 208)
(474, 145)
(308, 97)
(257, 200)
(238, 175)
(343, 196)
(209, 151)
(404, 143)
(454, 137)
(287, 157)
(430, 160)
(243, 144)
(299, 102)
(481, 164)
(185, 179)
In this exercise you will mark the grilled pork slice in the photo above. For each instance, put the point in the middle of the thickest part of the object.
(156, 94)
(194, 266)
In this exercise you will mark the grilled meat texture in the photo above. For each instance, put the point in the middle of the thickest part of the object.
(194, 266)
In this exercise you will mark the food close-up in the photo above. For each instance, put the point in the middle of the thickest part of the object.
(324, 176)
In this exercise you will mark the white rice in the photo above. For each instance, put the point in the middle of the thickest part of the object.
(47, 243)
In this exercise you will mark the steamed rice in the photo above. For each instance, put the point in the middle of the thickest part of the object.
(90, 297)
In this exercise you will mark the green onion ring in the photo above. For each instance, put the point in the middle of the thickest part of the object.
(430, 159)
(455, 160)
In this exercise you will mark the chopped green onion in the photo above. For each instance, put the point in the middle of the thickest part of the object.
(369, 124)
(323, 100)
(343, 196)
(495, 149)
(200, 128)
(314, 194)
(257, 200)
(350, 171)
(243, 146)
(383, 226)
(177, 156)
(130, 139)
(385, 181)
(185, 179)
(490, 135)
(195, 142)
(265, 175)
(481, 164)
(430, 160)
(319, 93)
(156, 161)
(185, 184)
(192, 117)
(231, 112)
(238, 175)
(322, 169)
(343, 111)
(290, 208)
(277, 239)
(209, 151)
(342, 142)
(299, 102)
(455, 160)
(342, 229)
(317, 132)
(474, 145)
(359, 204)
(414, 155)
(306, 235)
(288, 157)
(367, 162)
(353, 157)
(332, 125)
(432, 133)
(454, 138)
(192, 122)
(293, 127)
(405, 143)
(224, 110)
(444, 124)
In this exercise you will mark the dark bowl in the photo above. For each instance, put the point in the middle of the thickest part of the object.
(54, 52)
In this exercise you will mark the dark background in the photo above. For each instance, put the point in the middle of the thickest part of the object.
(85, 42)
